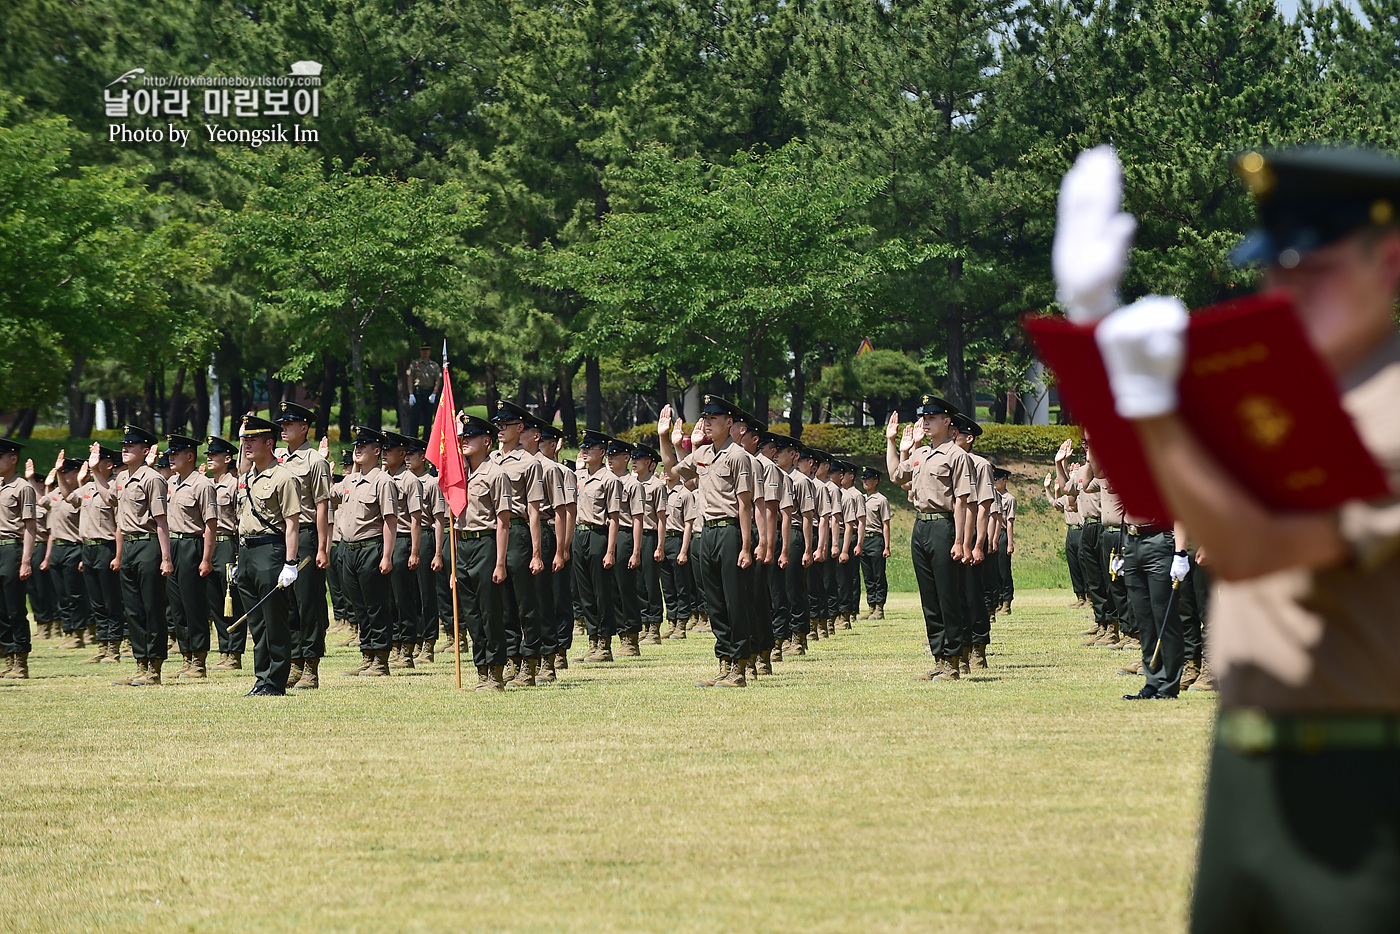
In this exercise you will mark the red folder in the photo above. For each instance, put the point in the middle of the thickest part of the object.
(1253, 388)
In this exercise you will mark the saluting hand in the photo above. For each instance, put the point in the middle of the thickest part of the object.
(664, 423)
(892, 429)
(29, 469)
(906, 441)
(697, 436)
(324, 448)
(94, 454)
(83, 473)
(1065, 450)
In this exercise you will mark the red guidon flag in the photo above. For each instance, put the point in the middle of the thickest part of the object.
(445, 452)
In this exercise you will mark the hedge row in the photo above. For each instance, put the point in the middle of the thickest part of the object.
(1014, 442)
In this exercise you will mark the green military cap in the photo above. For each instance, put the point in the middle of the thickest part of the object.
(642, 450)
(617, 446)
(1311, 196)
(291, 412)
(254, 425)
(714, 405)
(474, 425)
(593, 438)
(175, 443)
(366, 435)
(870, 473)
(10, 446)
(930, 404)
(966, 425)
(71, 464)
(135, 434)
(218, 445)
(392, 439)
(507, 412)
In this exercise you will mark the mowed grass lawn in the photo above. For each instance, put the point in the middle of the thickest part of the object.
(838, 795)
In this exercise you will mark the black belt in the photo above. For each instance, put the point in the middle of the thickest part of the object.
(99, 541)
(364, 542)
(137, 536)
(1252, 732)
(470, 536)
(1146, 529)
(932, 516)
(648, 531)
(721, 523)
(249, 541)
(186, 535)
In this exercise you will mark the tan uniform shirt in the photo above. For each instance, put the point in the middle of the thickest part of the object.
(363, 501)
(721, 475)
(97, 514)
(424, 376)
(226, 498)
(313, 476)
(938, 477)
(1008, 506)
(852, 507)
(680, 509)
(599, 494)
(434, 503)
(191, 503)
(488, 495)
(140, 501)
(567, 483)
(552, 482)
(18, 503)
(1070, 512)
(632, 498)
(526, 478)
(981, 478)
(62, 517)
(1088, 499)
(266, 499)
(877, 513)
(804, 497)
(653, 500)
(41, 516)
(1299, 641)
(410, 499)
(1110, 506)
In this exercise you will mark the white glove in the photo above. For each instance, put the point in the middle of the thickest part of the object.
(1181, 566)
(412, 399)
(1143, 347)
(1115, 564)
(288, 575)
(1092, 236)
(432, 398)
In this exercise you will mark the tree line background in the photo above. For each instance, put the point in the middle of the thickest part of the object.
(602, 203)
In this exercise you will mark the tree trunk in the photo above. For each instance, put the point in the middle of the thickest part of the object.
(329, 372)
(493, 395)
(237, 405)
(402, 389)
(124, 414)
(568, 417)
(201, 401)
(347, 409)
(275, 391)
(799, 384)
(746, 379)
(357, 367)
(77, 399)
(374, 411)
(175, 414)
(148, 418)
(593, 400)
(23, 425)
(663, 389)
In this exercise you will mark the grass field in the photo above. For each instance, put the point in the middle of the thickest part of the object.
(838, 795)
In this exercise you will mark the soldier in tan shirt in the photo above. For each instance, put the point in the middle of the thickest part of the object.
(18, 525)
(599, 517)
(877, 544)
(562, 525)
(776, 454)
(525, 556)
(193, 513)
(815, 546)
(644, 463)
(312, 472)
(677, 579)
(367, 506)
(64, 556)
(97, 530)
(142, 553)
(938, 476)
(433, 551)
(1302, 827)
(407, 554)
(483, 532)
(975, 582)
(220, 458)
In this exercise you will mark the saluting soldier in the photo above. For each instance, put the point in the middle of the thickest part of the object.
(677, 579)
(562, 523)
(595, 543)
(1087, 503)
(433, 555)
(1006, 539)
(525, 557)
(406, 553)
(312, 473)
(97, 528)
(876, 550)
(64, 556)
(269, 521)
(193, 513)
(219, 454)
(18, 527)
(142, 553)
(424, 385)
(368, 504)
(43, 598)
(483, 533)
(925, 460)
(724, 474)
(644, 462)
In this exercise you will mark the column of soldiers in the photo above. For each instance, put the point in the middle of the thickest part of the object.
(1147, 588)
(760, 536)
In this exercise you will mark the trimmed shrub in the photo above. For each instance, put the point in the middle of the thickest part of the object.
(1016, 442)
